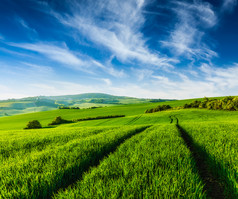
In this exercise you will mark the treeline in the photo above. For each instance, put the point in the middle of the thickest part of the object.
(68, 107)
(158, 108)
(227, 103)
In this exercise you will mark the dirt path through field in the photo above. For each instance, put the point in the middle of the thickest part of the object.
(213, 186)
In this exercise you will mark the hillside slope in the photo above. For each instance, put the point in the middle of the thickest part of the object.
(45, 103)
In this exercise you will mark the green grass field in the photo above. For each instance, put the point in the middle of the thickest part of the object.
(136, 156)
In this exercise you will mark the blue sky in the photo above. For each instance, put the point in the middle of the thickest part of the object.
(141, 48)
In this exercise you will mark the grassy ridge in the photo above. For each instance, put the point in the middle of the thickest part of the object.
(154, 164)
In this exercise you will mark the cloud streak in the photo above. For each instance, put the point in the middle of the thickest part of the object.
(66, 57)
(116, 26)
(193, 18)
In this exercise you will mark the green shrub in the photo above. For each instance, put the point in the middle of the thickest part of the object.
(34, 124)
(59, 120)
(158, 108)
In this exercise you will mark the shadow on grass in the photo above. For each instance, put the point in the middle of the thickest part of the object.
(48, 127)
(212, 173)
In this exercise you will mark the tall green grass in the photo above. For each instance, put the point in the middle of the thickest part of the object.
(154, 164)
(40, 173)
(18, 144)
(220, 141)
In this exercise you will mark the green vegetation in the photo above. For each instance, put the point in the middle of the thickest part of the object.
(59, 120)
(158, 108)
(40, 173)
(121, 152)
(45, 103)
(220, 141)
(154, 164)
(68, 107)
(98, 117)
(227, 103)
(34, 124)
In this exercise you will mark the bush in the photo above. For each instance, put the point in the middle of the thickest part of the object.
(59, 120)
(34, 124)
(158, 108)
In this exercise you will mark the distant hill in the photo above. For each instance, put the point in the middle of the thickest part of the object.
(86, 100)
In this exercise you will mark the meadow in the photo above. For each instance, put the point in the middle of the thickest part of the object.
(184, 153)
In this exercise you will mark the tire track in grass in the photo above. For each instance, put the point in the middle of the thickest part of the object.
(94, 162)
(213, 185)
(171, 119)
(133, 120)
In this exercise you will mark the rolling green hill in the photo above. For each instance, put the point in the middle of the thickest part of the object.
(20, 121)
(45, 103)
(177, 153)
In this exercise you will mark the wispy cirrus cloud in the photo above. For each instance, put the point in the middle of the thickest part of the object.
(210, 81)
(193, 18)
(116, 26)
(224, 78)
(60, 54)
(39, 69)
(25, 25)
(68, 58)
(142, 74)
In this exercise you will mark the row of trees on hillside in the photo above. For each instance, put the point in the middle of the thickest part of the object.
(158, 108)
(68, 107)
(227, 103)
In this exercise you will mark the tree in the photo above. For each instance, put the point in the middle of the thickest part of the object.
(34, 124)
(59, 120)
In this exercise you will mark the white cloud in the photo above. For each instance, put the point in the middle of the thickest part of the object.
(7, 92)
(118, 31)
(54, 88)
(210, 81)
(223, 78)
(107, 81)
(187, 36)
(24, 24)
(141, 74)
(108, 68)
(59, 54)
(39, 68)
(68, 58)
